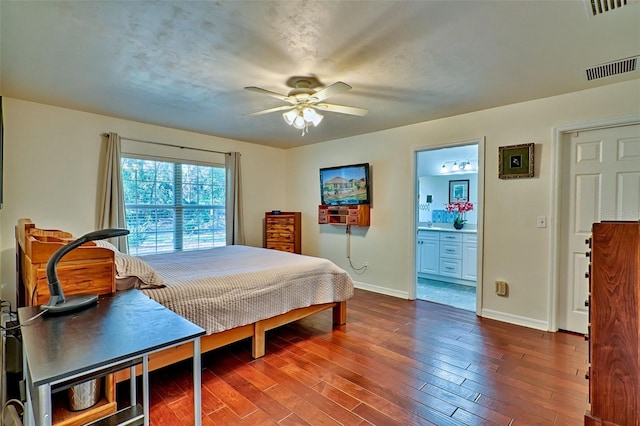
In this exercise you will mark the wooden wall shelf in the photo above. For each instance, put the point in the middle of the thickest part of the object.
(358, 215)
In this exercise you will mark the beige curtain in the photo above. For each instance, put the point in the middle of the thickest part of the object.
(111, 202)
(235, 229)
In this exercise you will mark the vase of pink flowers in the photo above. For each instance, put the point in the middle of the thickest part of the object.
(460, 208)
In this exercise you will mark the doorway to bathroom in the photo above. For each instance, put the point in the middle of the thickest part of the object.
(447, 225)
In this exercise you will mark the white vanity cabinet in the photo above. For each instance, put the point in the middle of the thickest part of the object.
(447, 255)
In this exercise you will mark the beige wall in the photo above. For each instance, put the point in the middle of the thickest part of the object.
(51, 172)
(51, 176)
(515, 250)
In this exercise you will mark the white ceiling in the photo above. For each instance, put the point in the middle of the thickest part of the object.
(184, 64)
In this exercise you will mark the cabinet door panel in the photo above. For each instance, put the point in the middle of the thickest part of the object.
(469, 262)
(428, 251)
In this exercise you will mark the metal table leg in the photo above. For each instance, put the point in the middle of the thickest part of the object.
(197, 402)
(145, 388)
(132, 385)
(44, 405)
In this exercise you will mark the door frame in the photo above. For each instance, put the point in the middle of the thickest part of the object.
(559, 139)
(480, 142)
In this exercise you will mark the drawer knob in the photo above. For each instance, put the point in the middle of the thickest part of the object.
(588, 254)
(586, 275)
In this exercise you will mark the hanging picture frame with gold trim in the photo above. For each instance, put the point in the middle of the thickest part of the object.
(516, 161)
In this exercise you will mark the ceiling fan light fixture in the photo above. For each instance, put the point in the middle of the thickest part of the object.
(290, 116)
(311, 116)
(308, 113)
(299, 122)
(317, 120)
(304, 101)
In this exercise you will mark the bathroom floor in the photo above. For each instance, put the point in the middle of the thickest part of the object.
(456, 295)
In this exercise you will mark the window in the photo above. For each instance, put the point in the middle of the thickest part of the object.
(172, 205)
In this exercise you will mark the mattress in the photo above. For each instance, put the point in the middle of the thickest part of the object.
(226, 287)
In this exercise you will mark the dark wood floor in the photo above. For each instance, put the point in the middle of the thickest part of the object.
(395, 362)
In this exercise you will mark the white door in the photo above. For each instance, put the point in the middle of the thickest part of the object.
(602, 182)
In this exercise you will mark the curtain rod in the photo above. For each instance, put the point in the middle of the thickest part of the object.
(106, 135)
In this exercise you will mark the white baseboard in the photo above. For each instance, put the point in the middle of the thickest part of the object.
(381, 290)
(516, 319)
(486, 313)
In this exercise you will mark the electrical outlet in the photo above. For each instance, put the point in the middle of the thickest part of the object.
(542, 222)
(502, 288)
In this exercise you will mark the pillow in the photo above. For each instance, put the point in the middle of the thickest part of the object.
(131, 266)
(131, 271)
(106, 244)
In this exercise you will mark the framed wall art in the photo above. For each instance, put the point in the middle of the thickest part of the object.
(516, 161)
(458, 190)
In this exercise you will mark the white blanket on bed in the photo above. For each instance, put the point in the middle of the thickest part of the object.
(226, 287)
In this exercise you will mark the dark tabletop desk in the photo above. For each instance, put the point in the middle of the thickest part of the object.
(118, 332)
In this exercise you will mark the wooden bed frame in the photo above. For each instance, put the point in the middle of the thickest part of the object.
(92, 269)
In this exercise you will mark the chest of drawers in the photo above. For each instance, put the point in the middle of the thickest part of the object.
(614, 324)
(282, 231)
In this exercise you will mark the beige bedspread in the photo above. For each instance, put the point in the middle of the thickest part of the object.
(226, 287)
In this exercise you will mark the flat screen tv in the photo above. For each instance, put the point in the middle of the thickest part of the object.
(345, 185)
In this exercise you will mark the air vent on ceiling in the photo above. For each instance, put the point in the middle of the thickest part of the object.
(598, 7)
(612, 68)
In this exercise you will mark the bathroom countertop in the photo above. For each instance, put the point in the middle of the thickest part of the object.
(450, 227)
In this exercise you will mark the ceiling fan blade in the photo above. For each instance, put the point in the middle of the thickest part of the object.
(272, 94)
(275, 109)
(341, 109)
(332, 89)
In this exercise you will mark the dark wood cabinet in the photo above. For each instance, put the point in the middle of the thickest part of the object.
(282, 231)
(614, 324)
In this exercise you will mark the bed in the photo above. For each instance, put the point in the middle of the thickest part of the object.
(233, 292)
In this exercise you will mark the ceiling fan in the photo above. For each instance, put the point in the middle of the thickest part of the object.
(303, 101)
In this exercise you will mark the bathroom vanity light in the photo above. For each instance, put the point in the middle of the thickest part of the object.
(456, 166)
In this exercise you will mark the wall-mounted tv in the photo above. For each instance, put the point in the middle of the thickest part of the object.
(345, 185)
